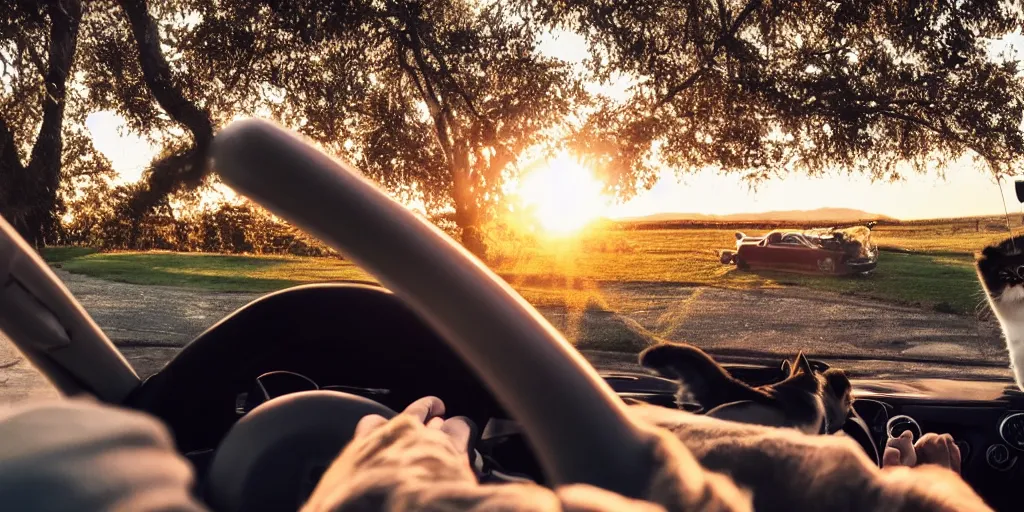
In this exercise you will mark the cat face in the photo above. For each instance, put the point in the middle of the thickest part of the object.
(838, 398)
(832, 387)
(1001, 271)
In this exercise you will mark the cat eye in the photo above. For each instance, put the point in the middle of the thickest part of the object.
(1016, 273)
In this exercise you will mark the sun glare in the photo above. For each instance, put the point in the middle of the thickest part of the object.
(563, 196)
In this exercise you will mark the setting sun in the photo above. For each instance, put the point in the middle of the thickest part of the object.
(563, 196)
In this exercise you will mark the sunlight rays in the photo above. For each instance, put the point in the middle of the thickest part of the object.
(562, 196)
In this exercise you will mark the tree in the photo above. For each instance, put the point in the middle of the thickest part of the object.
(443, 97)
(37, 49)
(185, 167)
(125, 70)
(767, 87)
(445, 94)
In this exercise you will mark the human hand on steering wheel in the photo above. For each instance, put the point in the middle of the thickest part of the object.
(932, 448)
(428, 411)
(415, 451)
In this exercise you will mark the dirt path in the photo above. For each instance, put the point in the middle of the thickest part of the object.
(148, 323)
(151, 323)
(788, 320)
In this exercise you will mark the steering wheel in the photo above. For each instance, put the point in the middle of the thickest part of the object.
(574, 422)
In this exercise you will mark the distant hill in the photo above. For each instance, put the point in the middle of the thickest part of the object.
(821, 214)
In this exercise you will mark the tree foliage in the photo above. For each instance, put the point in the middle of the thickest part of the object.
(443, 98)
(103, 218)
(445, 94)
(767, 87)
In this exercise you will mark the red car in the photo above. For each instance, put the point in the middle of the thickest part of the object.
(820, 251)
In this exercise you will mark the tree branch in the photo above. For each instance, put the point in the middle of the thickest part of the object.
(450, 77)
(10, 163)
(428, 97)
(157, 74)
(427, 71)
(65, 17)
(33, 55)
(185, 169)
(444, 121)
(710, 59)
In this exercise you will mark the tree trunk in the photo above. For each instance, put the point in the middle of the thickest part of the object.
(447, 131)
(467, 211)
(45, 165)
(13, 181)
(187, 168)
(31, 201)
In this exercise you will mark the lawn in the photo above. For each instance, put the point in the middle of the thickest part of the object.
(216, 272)
(932, 270)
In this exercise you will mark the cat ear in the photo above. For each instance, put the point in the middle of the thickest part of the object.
(990, 252)
(801, 365)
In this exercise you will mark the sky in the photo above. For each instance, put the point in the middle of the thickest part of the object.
(965, 190)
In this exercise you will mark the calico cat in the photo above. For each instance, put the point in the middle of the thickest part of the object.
(813, 402)
(1001, 272)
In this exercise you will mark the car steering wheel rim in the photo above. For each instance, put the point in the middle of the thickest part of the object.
(272, 458)
(577, 426)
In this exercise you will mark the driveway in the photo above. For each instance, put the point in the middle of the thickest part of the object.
(151, 323)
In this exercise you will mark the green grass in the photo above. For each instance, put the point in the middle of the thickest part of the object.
(62, 254)
(936, 273)
(215, 272)
(939, 238)
(945, 283)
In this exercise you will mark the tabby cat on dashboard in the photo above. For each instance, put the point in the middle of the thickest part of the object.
(811, 401)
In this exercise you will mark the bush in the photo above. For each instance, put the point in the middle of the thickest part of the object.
(103, 218)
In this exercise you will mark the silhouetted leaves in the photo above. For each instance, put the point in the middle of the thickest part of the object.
(446, 96)
(766, 87)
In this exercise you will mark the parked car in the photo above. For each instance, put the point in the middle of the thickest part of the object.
(832, 251)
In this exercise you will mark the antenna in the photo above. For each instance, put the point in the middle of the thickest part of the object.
(1006, 212)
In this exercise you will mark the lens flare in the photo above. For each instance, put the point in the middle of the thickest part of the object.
(563, 196)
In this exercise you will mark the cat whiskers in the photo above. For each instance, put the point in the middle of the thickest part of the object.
(982, 309)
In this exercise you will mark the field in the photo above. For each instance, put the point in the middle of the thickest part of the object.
(925, 264)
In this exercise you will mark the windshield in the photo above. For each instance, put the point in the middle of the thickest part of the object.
(757, 180)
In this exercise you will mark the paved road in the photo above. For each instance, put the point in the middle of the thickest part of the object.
(151, 323)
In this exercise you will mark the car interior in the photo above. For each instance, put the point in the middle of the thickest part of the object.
(386, 354)
(263, 400)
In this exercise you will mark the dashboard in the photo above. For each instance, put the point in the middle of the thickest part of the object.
(985, 419)
(365, 341)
